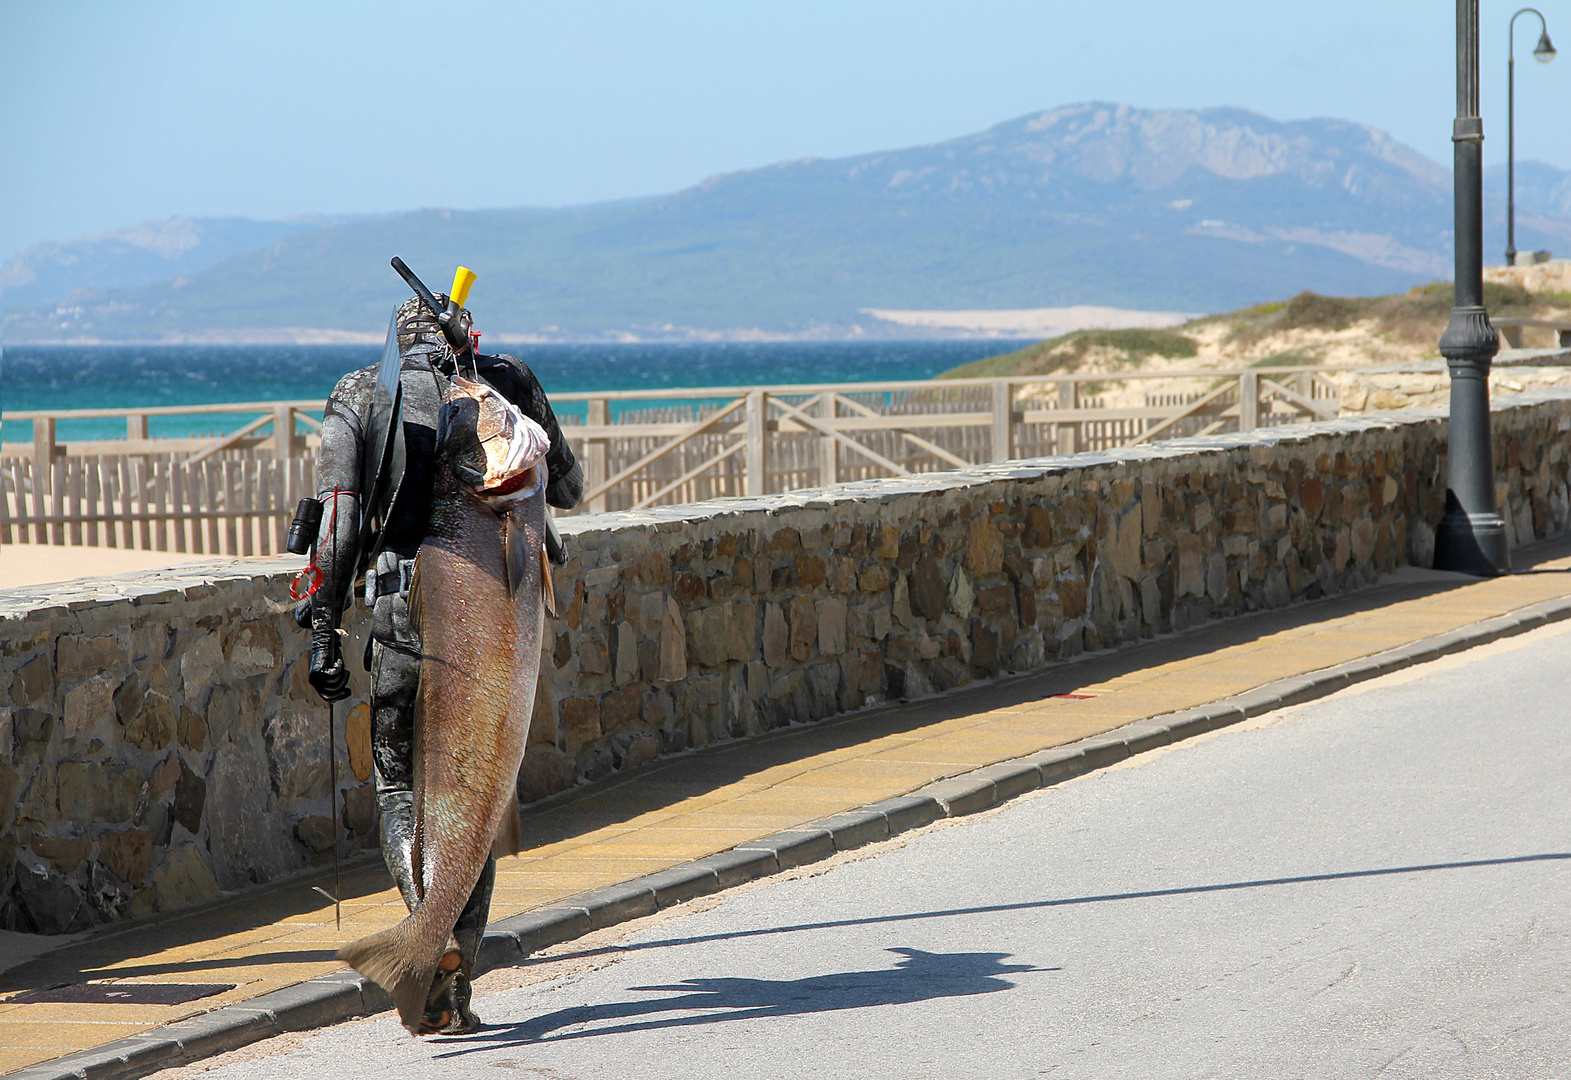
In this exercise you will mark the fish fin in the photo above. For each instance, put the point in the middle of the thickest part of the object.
(516, 542)
(509, 840)
(547, 585)
(390, 957)
(413, 602)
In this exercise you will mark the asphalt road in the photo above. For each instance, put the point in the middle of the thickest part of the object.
(1372, 885)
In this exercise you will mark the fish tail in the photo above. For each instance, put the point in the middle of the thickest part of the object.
(402, 963)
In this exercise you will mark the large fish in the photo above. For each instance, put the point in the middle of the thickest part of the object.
(480, 586)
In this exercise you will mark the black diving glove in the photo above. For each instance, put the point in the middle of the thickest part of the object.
(329, 677)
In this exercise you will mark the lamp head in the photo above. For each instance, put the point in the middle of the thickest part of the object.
(1544, 51)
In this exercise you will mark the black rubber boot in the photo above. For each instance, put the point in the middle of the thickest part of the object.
(451, 992)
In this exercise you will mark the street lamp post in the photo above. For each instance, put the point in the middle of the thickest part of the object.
(1471, 536)
(1543, 52)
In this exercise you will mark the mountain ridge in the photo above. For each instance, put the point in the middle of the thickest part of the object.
(1095, 203)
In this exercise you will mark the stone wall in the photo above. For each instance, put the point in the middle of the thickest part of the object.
(159, 743)
(1428, 385)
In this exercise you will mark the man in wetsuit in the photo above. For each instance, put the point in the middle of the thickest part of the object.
(428, 362)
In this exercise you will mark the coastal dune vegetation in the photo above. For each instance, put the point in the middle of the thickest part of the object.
(1307, 329)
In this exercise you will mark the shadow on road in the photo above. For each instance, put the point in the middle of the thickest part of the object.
(919, 976)
(1032, 905)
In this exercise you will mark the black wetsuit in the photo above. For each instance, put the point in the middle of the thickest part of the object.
(393, 652)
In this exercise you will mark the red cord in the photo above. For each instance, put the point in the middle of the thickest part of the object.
(312, 574)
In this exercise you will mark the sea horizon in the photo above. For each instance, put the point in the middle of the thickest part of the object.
(66, 377)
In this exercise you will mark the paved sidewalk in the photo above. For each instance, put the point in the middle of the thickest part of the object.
(664, 816)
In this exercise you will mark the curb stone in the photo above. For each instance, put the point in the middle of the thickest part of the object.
(343, 995)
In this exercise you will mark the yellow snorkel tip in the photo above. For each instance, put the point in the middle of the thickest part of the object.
(462, 280)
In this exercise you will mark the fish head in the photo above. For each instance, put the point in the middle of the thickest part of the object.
(494, 449)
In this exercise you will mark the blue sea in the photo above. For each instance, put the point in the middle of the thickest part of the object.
(124, 376)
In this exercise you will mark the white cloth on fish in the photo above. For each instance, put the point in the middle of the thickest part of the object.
(528, 444)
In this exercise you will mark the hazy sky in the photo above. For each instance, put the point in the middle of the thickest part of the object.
(115, 113)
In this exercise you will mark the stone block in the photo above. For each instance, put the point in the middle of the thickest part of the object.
(33, 682)
(928, 591)
(544, 773)
(804, 627)
(795, 847)
(1072, 597)
(90, 791)
(1191, 565)
(739, 865)
(617, 903)
(191, 729)
(996, 602)
(961, 794)
(357, 739)
(580, 722)
(1123, 551)
(673, 644)
(153, 727)
(183, 878)
(626, 658)
(962, 599)
(777, 637)
(223, 712)
(39, 802)
(1216, 578)
(164, 776)
(255, 648)
(874, 579)
(251, 839)
(681, 883)
(360, 809)
(985, 648)
(78, 654)
(1361, 540)
(10, 784)
(190, 797)
(89, 703)
(811, 572)
(643, 749)
(854, 828)
(832, 626)
(907, 812)
(297, 754)
(200, 662)
(127, 854)
(544, 927)
(689, 588)
(984, 555)
(49, 903)
(316, 832)
(65, 852)
(618, 710)
(593, 656)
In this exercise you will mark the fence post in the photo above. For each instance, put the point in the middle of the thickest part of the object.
(44, 453)
(1065, 436)
(283, 432)
(757, 429)
(1248, 400)
(828, 449)
(135, 425)
(1003, 420)
(597, 454)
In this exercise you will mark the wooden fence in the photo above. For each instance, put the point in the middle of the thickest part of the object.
(235, 494)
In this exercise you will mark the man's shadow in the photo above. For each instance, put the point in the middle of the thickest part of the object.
(919, 976)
